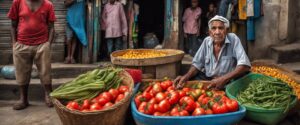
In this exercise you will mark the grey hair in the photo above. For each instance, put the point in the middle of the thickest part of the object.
(218, 18)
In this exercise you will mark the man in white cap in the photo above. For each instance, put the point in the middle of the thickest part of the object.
(220, 58)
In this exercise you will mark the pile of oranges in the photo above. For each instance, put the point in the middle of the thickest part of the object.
(276, 73)
(142, 54)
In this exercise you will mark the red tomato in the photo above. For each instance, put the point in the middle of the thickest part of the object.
(85, 105)
(109, 104)
(219, 108)
(102, 101)
(73, 105)
(174, 111)
(123, 89)
(188, 103)
(156, 88)
(205, 100)
(177, 111)
(138, 100)
(166, 114)
(114, 93)
(171, 88)
(197, 104)
(158, 114)
(166, 84)
(95, 107)
(160, 96)
(119, 98)
(142, 107)
(201, 98)
(232, 105)
(106, 95)
(147, 95)
(156, 107)
(224, 99)
(186, 89)
(153, 101)
(183, 113)
(208, 112)
(146, 108)
(173, 97)
(163, 106)
(198, 111)
(148, 89)
(94, 100)
(181, 94)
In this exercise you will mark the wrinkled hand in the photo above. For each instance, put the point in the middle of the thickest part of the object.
(180, 81)
(218, 83)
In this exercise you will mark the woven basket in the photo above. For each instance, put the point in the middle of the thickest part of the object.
(114, 115)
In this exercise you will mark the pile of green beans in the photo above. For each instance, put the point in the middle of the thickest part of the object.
(267, 93)
(88, 85)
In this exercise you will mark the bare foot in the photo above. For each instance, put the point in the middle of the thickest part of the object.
(20, 105)
(67, 60)
(48, 101)
(73, 61)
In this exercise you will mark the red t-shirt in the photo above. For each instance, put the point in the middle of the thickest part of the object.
(32, 26)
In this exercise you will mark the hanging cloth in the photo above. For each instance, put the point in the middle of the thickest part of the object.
(76, 20)
(250, 29)
(257, 6)
(228, 15)
(242, 9)
(250, 8)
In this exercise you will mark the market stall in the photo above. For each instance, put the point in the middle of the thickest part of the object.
(265, 96)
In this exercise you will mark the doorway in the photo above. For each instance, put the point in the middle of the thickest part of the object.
(150, 19)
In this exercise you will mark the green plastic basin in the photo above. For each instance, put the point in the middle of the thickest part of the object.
(260, 115)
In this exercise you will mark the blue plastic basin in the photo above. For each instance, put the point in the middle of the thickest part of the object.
(216, 119)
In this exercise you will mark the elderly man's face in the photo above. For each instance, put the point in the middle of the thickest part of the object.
(218, 31)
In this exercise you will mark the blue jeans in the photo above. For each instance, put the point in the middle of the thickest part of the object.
(114, 44)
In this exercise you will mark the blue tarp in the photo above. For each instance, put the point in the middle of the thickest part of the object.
(76, 20)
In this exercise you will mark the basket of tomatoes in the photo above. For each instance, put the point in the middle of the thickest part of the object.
(105, 106)
(158, 103)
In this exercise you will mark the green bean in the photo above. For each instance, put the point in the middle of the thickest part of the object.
(266, 93)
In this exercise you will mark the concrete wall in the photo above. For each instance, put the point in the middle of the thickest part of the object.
(266, 31)
(280, 25)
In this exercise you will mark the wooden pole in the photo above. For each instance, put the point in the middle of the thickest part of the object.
(87, 51)
(97, 11)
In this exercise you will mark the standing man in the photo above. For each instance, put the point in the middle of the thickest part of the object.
(191, 26)
(75, 27)
(32, 32)
(115, 25)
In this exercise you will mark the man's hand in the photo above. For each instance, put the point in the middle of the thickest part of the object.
(218, 83)
(180, 81)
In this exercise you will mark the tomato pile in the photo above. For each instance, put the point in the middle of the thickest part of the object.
(100, 102)
(161, 99)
